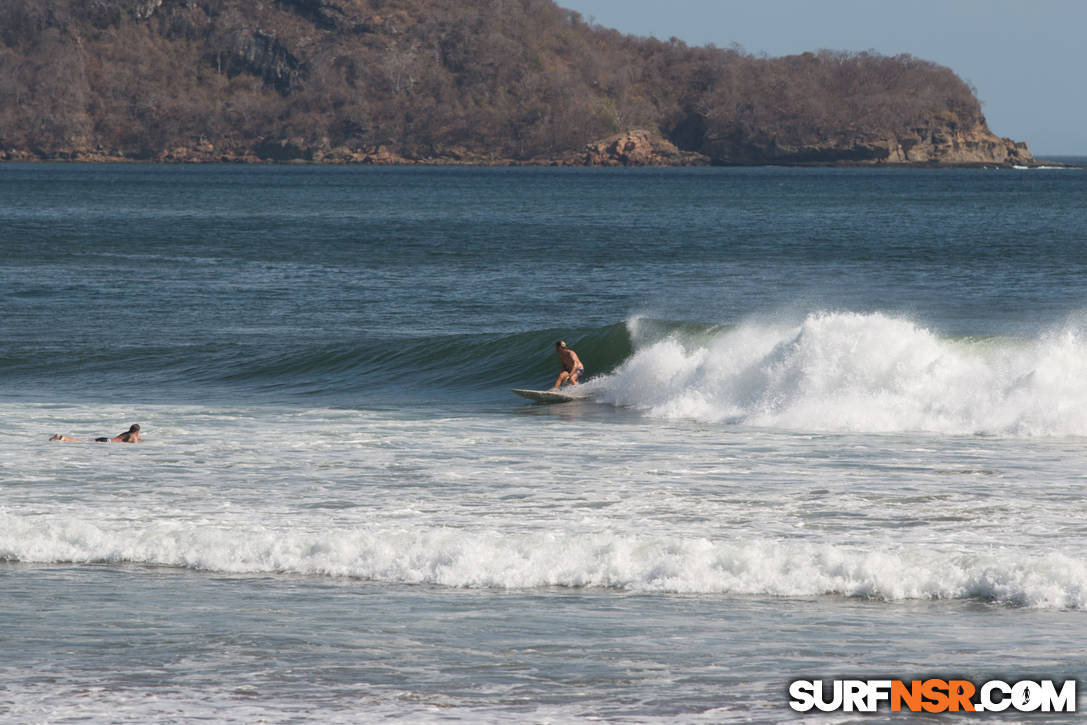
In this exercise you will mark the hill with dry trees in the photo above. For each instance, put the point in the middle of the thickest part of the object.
(435, 81)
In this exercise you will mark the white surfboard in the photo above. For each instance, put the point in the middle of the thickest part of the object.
(548, 396)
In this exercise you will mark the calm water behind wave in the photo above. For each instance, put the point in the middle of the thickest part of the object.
(214, 267)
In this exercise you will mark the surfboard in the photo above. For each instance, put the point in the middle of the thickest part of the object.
(547, 396)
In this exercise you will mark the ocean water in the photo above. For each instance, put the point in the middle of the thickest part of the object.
(835, 427)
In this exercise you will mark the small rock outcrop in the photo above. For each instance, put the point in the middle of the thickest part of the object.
(638, 148)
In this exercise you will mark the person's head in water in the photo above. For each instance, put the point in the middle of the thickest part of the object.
(560, 344)
(135, 428)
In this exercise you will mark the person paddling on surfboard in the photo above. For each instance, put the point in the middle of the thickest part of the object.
(572, 369)
(132, 435)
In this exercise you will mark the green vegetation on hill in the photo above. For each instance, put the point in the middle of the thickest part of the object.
(471, 80)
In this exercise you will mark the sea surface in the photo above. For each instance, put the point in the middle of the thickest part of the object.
(835, 426)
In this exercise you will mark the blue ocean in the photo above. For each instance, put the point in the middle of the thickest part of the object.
(833, 425)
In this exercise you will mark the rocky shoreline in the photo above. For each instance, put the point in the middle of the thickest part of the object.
(925, 148)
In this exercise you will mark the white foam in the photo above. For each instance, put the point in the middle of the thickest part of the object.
(61, 700)
(839, 371)
(493, 559)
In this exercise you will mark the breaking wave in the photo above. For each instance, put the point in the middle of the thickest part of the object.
(842, 371)
(491, 559)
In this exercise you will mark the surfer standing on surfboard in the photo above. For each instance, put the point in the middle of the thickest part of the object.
(572, 369)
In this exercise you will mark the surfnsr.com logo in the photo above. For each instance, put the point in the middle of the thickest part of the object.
(933, 695)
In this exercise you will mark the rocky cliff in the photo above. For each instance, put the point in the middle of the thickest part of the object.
(950, 145)
(931, 145)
